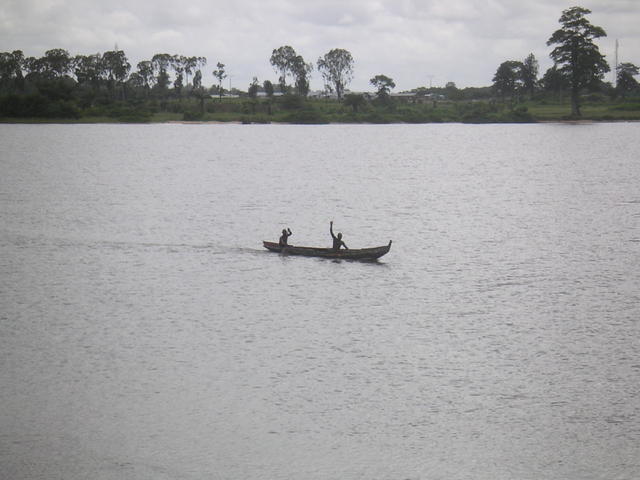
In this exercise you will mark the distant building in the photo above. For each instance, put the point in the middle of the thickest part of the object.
(417, 97)
(264, 94)
(322, 94)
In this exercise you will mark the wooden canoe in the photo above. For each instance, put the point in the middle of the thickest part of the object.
(351, 254)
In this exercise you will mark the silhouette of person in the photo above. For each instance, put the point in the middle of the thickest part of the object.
(337, 239)
(286, 233)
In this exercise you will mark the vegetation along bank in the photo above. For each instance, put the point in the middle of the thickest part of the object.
(103, 88)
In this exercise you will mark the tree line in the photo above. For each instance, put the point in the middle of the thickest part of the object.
(57, 83)
(60, 85)
(53, 84)
(578, 65)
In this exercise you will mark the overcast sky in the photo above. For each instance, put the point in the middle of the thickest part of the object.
(415, 42)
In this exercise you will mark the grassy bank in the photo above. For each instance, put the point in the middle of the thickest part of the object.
(307, 111)
(596, 111)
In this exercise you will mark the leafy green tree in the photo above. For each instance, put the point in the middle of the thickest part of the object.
(178, 83)
(452, 92)
(252, 91)
(302, 74)
(625, 83)
(507, 80)
(33, 66)
(145, 70)
(178, 64)
(577, 56)
(115, 68)
(162, 82)
(161, 63)
(220, 74)
(201, 94)
(193, 65)
(88, 69)
(268, 88)
(355, 101)
(56, 63)
(11, 70)
(529, 73)
(555, 81)
(197, 79)
(283, 60)
(337, 70)
(188, 66)
(383, 85)
(135, 81)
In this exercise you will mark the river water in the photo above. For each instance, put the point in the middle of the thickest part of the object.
(146, 334)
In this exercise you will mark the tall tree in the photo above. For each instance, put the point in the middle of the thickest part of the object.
(283, 60)
(201, 63)
(201, 94)
(268, 88)
(178, 64)
(220, 74)
(625, 83)
(507, 80)
(555, 81)
(57, 62)
(302, 73)
(254, 86)
(337, 70)
(161, 63)
(88, 69)
(576, 54)
(178, 84)
(452, 91)
(188, 66)
(192, 66)
(529, 73)
(11, 69)
(34, 67)
(197, 79)
(145, 70)
(115, 68)
(136, 81)
(383, 85)
(355, 101)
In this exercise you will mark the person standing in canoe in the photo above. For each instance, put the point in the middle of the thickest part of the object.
(337, 239)
(286, 233)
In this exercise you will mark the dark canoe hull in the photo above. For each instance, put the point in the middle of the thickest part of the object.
(351, 254)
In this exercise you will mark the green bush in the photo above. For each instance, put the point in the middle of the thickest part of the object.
(596, 97)
(627, 107)
(192, 116)
(376, 117)
(477, 113)
(292, 102)
(37, 106)
(520, 114)
(305, 117)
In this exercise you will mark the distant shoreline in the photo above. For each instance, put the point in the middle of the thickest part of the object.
(297, 110)
(89, 121)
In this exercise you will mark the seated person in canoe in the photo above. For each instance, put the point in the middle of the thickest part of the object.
(286, 233)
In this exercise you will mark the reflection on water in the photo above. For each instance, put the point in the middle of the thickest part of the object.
(145, 332)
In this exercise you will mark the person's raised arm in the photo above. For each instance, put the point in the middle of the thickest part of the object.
(331, 229)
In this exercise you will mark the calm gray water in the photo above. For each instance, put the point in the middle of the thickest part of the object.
(145, 334)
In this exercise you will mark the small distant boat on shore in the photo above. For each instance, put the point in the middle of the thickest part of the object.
(364, 254)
